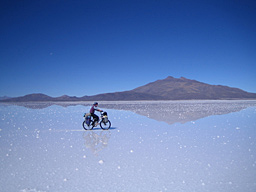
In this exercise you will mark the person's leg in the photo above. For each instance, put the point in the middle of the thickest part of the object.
(95, 118)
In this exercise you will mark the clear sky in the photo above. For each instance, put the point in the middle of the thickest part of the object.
(88, 47)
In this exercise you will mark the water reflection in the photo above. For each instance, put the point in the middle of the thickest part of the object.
(96, 141)
(44, 150)
(167, 111)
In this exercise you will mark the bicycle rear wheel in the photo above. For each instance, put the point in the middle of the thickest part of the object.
(105, 125)
(87, 127)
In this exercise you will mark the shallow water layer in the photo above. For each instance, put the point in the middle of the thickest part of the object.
(151, 146)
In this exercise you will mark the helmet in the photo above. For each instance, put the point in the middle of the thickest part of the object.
(95, 103)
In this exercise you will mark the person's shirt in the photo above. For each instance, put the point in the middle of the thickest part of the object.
(92, 110)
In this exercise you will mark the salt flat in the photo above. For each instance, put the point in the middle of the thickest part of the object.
(152, 146)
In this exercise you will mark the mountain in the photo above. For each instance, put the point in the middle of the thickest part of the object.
(169, 88)
(176, 89)
(42, 97)
(4, 97)
(122, 96)
(31, 97)
(185, 89)
(66, 98)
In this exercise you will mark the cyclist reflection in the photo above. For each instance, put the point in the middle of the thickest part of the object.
(96, 142)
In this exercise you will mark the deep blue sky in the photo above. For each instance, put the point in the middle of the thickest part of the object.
(96, 46)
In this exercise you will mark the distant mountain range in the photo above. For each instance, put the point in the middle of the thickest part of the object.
(169, 88)
(4, 97)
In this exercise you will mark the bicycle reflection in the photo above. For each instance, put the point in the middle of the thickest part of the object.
(96, 142)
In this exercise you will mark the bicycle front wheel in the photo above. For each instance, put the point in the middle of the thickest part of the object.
(87, 127)
(105, 125)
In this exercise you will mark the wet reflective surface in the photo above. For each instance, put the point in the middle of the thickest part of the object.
(152, 146)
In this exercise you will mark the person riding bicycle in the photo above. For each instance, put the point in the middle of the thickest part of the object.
(92, 110)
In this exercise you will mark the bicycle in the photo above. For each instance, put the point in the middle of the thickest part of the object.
(89, 123)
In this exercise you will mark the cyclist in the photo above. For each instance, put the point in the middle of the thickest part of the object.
(92, 110)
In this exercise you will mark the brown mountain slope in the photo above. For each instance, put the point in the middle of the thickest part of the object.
(169, 88)
(122, 96)
(31, 97)
(181, 88)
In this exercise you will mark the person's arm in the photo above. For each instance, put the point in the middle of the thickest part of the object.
(96, 108)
